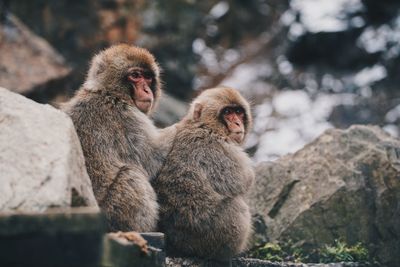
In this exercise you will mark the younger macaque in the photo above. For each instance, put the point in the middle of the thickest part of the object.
(203, 184)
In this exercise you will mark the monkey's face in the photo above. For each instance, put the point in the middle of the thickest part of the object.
(128, 72)
(141, 81)
(224, 111)
(233, 118)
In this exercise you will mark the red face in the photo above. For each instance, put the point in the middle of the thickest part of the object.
(234, 119)
(141, 80)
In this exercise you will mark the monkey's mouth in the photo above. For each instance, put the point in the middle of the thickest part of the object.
(142, 102)
(143, 105)
(237, 137)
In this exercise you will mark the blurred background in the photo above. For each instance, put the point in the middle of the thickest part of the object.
(305, 65)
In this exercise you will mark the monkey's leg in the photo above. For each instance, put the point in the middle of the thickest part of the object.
(229, 231)
(130, 203)
(232, 227)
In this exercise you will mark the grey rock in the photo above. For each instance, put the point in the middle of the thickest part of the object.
(154, 239)
(26, 60)
(345, 184)
(41, 160)
(119, 252)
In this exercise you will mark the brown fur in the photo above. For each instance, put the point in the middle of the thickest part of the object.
(203, 185)
(119, 141)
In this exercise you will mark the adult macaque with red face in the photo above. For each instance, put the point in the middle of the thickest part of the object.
(142, 94)
(119, 141)
(203, 183)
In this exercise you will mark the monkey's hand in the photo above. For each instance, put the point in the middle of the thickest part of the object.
(133, 237)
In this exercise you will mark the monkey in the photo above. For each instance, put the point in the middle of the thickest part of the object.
(119, 141)
(203, 185)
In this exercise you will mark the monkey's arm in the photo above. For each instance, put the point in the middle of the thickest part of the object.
(165, 138)
(168, 132)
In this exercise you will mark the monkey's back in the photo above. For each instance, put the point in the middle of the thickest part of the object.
(114, 144)
(203, 211)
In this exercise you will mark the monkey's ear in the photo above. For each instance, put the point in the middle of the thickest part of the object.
(99, 64)
(197, 111)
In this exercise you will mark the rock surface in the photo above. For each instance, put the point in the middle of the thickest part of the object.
(345, 184)
(26, 60)
(41, 160)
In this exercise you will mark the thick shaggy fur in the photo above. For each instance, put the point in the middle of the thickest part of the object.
(203, 185)
(118, 140)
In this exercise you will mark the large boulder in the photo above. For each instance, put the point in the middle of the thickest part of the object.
(344, 185)
(27, 62)
(41, 160)
(77, 30)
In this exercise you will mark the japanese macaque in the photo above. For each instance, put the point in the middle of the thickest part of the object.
(203, 184)
(118, 139)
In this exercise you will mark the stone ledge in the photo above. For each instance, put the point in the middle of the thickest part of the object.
(247, 262)
(70, 237)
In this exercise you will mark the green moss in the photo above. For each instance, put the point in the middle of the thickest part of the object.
(339, 251)
(269, 251)
(278, 252)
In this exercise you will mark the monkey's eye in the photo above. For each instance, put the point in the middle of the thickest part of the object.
(239, 110)
(147, 75)
(135, 74)
(226, 111)
(231, 110)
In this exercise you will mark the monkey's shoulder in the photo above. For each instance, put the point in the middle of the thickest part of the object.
(204, 145)
(198, 138)
(102, 106)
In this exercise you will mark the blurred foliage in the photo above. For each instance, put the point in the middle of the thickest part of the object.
(167, 28)
(170, 28)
